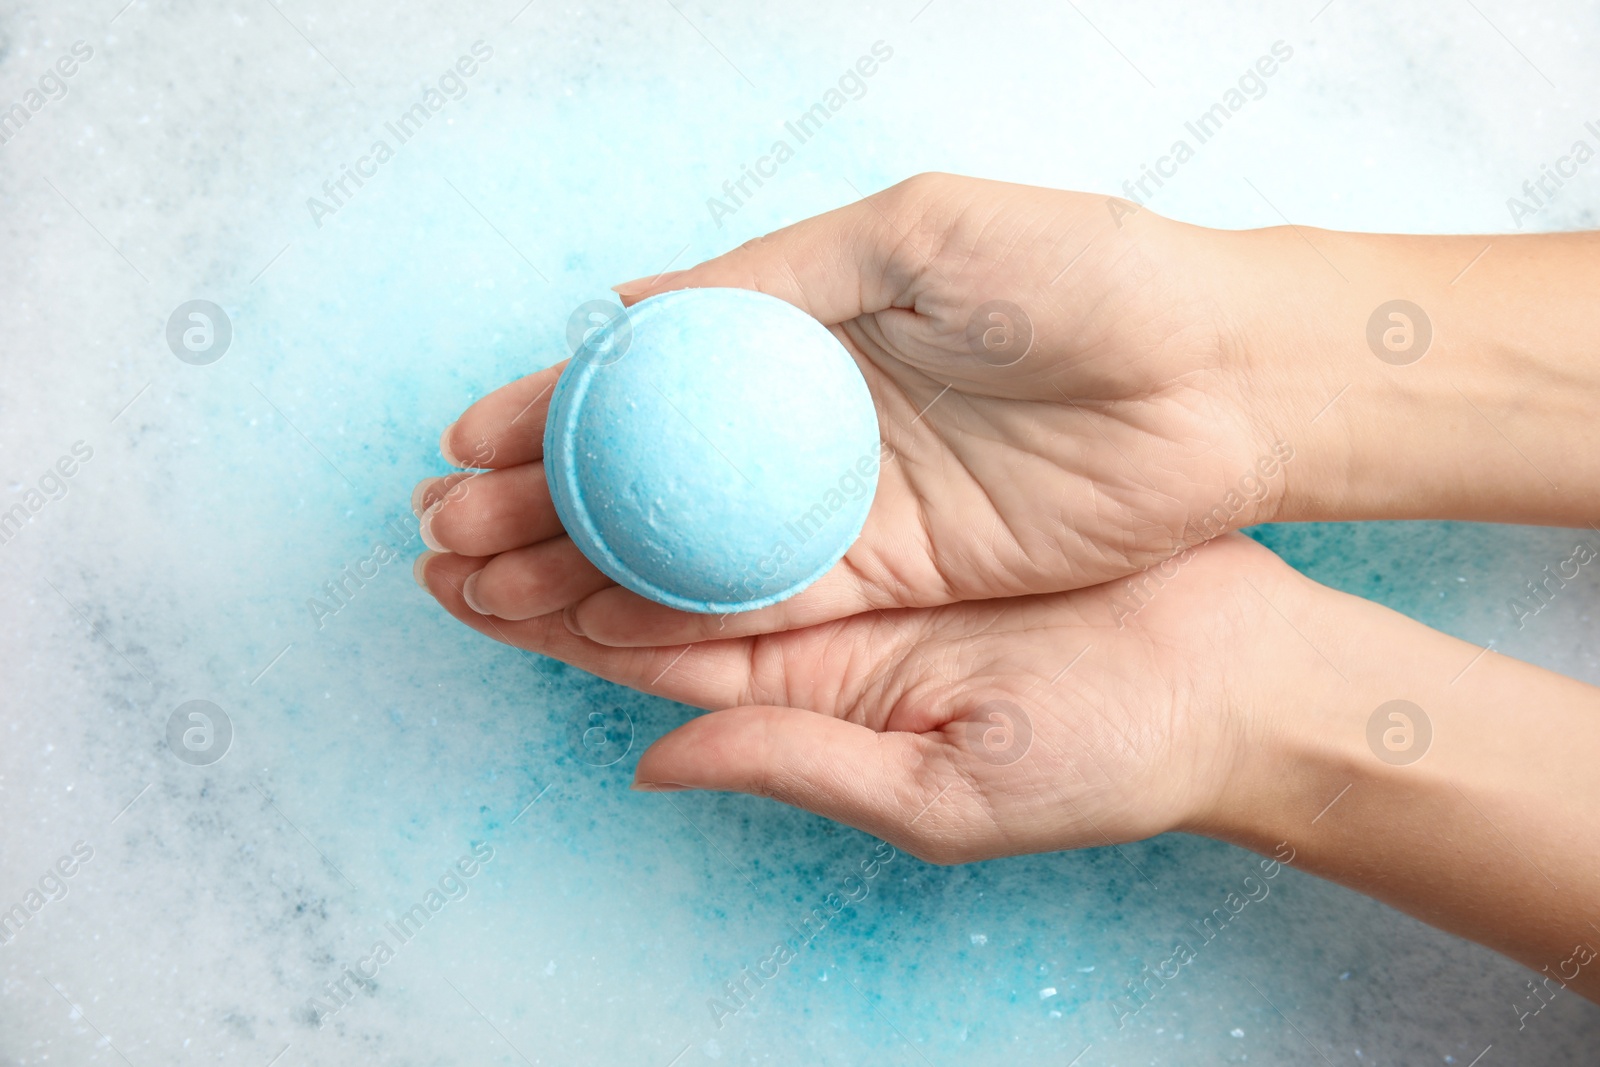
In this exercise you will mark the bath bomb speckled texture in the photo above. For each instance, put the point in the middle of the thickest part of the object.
(715, 450)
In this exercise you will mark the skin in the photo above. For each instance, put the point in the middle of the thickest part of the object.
(1040, 640)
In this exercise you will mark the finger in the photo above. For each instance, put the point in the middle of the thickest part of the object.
(622, 618)
(535, 580)
(878, 782)
(505, 428)
(492, 512)
(888, 567)
(430, 491)
(836, 266)
(707, 675)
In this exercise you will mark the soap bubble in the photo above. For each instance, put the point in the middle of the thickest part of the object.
(1399, 332)
(599, 332)
(999, 333)
(199, 332)
(199, 733)
(1399, 732)
(999, 732)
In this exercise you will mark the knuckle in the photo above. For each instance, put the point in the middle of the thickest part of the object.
(924, 182)
(754, 245)
(920, 189)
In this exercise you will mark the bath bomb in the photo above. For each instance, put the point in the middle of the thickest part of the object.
(715, 450)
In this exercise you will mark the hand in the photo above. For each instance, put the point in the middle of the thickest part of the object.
(1238, 702)
(1118, 437)
(970, 730)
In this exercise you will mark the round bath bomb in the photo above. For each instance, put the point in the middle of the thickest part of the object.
(715, 450)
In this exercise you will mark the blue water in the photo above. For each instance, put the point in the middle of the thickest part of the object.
(378, 744)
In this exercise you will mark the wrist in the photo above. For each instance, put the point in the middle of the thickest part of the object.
(1472, 400)
(1447, 781)
(1291, 745)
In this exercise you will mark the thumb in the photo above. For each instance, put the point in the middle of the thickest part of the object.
(882, 783)
(835, 267)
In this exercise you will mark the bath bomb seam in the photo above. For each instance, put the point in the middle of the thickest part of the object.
(566, 407)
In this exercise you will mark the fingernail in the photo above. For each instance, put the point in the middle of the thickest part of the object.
(469, 593)
(444, 447)
(570, 617)
(659, 787)
(654, 281)
(419, 492)
(420, 567)
(425, 527)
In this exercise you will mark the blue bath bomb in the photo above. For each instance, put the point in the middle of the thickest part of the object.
(715, 450)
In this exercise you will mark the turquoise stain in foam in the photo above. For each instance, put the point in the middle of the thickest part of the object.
(378, 334)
